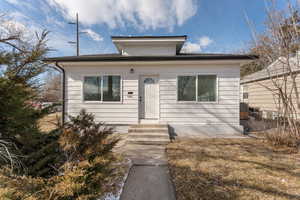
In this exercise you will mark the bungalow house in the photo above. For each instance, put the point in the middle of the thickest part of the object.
(150, 82)
(255, 88)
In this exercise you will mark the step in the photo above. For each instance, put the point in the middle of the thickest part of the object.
(148, 135)
(149, 126)
(148, 130)
(146, 141)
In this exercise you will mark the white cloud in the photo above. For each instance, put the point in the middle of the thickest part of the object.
(58, 42)
(143, 14)
(52, 21)
(20, 3)
(205, 41)
(17, 15)
(20, 18)
(198, 46)
(9, 26)
(14, 2)
(184, 10)
(17, 22)
(191, 47)
(95, 36)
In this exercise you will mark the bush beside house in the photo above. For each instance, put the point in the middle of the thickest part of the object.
(73, 161)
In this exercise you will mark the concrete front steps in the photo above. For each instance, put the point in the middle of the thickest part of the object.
(148, 134)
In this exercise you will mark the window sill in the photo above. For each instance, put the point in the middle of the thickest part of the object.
(102, 102)
(197, 102)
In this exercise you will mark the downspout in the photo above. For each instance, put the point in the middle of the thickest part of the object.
(63, 90)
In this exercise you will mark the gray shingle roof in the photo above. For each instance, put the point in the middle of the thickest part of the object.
(277, 68)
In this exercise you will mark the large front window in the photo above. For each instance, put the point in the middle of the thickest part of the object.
(102, 88)
(201, 88)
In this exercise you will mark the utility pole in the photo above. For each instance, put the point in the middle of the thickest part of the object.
(77, 34)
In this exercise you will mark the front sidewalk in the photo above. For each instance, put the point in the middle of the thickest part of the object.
(149, 177)
(148, 183)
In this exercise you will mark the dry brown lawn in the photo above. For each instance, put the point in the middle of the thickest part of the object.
(48, 123)
(226, 169)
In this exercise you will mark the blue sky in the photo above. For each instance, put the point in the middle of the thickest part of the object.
(211, 25)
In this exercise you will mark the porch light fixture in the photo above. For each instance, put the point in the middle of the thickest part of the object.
(131, 71)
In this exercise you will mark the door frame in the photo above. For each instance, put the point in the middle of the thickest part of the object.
(140, 85)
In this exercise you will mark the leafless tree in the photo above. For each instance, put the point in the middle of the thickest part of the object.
(52, 88)
(278, 50)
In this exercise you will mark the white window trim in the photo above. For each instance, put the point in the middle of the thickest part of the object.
(196, 101)
(101, 102)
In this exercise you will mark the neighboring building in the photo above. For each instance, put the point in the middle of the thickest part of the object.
(150, 81)
(255, 88)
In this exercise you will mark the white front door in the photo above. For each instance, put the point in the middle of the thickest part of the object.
(149, 97)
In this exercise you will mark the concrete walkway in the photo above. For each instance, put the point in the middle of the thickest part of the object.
(149, 177)
(148, 183)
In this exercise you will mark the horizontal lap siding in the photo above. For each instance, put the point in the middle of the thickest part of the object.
(223, 112)
(124, 112)
(260, 96)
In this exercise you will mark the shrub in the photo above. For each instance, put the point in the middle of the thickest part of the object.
(19, 120)
(283, 138)
(86, 181)
(47, 157)
(86, 169)
(83, 138)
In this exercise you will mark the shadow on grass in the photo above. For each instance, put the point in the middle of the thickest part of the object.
(193, 185)
(189, 166)
(205, 186)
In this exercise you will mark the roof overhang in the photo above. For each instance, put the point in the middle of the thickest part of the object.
(133, 61)
(241, 58)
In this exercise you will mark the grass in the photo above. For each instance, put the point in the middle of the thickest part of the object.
(233, 169)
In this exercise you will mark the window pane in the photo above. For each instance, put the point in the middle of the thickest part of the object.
(91, 88)
(207, 87)
(111, 88)
(186, 88)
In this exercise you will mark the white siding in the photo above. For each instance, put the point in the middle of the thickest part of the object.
(151, 50)
(223, 112)
(124, 112)
(262, 98)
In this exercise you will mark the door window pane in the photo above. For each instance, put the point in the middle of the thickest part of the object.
(111, 88)
(186, 88)
(91, 88)
(207, 87)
